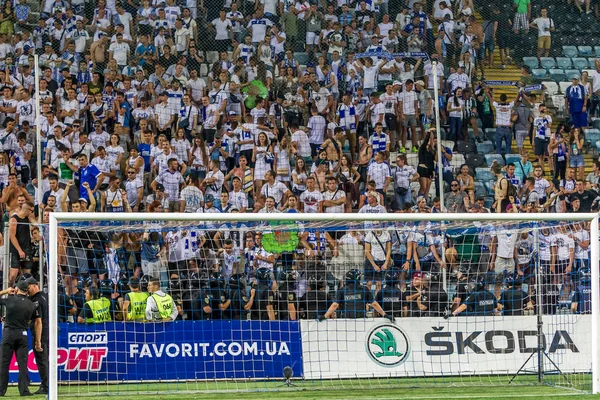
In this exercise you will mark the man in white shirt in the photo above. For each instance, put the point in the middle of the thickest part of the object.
(334, 199)
(408, 105)
(311, 199)
(503, 122)
(503, 251)
(379, 171)
(223, 31)
(300, 144)
(275, 189)
(258, 26)
(544, 26)
(119, 51)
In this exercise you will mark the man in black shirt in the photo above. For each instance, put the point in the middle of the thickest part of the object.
(20, 311)
(390, 297)
(21, 250)
(286, 296)
(513, 299)
(586, 197)
(237, 300)
(315, 300)
(479, 302)
(40, 300)
(261, 297)
(354, 298)
(416, 297)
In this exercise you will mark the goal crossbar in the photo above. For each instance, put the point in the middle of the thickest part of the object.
(57, 218)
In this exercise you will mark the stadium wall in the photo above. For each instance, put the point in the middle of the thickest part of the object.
(203, 350)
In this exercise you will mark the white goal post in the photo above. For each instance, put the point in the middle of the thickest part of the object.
(55, 219)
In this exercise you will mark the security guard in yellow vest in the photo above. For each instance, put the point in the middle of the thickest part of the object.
(96, 308)
(134, 303)
(160, 306)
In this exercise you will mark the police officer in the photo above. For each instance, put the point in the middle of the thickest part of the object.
(513, 299)
(417, 296)
(286, 296)
(20, 311)
(176, 290)
(96, 308)
(238, 298)
(217, 292)
(108, 291)
(40, 300)
(160, 306)
(315, 301)
(261, 298)
(353, 299)
(134, 302)
(581, 303)
(479, 301)
(390, 297)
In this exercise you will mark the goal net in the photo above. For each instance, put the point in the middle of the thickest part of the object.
(231, 302)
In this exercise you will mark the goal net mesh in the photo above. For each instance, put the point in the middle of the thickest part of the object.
(327, 304)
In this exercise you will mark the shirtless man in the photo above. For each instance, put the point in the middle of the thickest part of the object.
(98, 52)
(11, 193)
(334, 153)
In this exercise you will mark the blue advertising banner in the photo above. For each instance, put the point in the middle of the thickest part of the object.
(119, 351)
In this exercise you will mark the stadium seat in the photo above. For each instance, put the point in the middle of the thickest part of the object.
(485, 147)
(557, 75)
(563, 86)
(551, 88)
(569, 51)
(212, 57)
(302, 58)
(474, 160)
(465, 147)
(489, 185)
(512, 158)
(490, 158)
(580, 63)
(531, 62)
(484, 174)
(598, 147)
(203, 70)
(488, 201)
(563, 62)
(480, 190)
(585, 51)
(572, 73)
(547, 62)
(457, 160)
(591, 135)
(539, 73)
(597, 51)
(413, 159)
(596, 123)
(490, 134)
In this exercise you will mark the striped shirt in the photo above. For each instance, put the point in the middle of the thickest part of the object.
(171, 181)
(503, 111)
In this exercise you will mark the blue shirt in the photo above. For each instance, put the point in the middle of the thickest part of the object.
(127, 116)
(576, 97)
(150, 249)
(145, 151)
(88, 174)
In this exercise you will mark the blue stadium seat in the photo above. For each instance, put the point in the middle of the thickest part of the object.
(490, 134)
(486, 147)
(512, 158)
(585, 51)
(480, 190)
(569, 51)
(488, 201)
(580, 63)
(490, 158)
(596, 123)
(547, 62)
(489, 185)
(557, 75)
(597, 51)
(598, 147)
(539, 73)
(572, 73)
(484, 175)
(563, 62)
(592, 135)
(302, 58)
(531, 62)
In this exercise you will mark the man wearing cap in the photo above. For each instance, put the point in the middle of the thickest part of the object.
(134, 303)
(575, 101)
(40, 301)
(20, 311)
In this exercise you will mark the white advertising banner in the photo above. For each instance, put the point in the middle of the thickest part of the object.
(411, 347)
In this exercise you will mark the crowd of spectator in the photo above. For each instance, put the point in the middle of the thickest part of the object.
(274, 106)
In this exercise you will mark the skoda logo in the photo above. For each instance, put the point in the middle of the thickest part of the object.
(387, 345)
